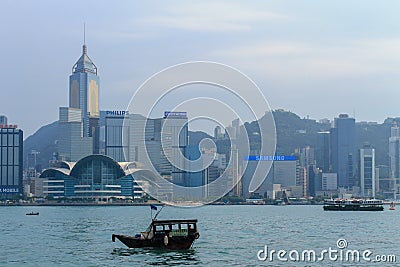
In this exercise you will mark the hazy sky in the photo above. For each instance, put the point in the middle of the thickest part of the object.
(316, 58)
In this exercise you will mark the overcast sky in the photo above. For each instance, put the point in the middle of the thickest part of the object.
(316, 58)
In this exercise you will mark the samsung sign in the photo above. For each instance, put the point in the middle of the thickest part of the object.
(270, 158)
(9, 189)
(117, 113)
(175, 114)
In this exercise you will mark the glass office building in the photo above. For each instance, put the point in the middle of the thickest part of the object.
(343, 152)
(11, 160)
(114, 136)
(84, 84)
(72, 145)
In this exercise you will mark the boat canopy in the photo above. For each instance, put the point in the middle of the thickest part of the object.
(168, 222)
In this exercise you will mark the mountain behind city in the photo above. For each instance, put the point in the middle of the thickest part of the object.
(292, 132)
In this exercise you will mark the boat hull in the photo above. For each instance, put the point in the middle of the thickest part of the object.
(175, 242)
(32, 214)
(353, 208)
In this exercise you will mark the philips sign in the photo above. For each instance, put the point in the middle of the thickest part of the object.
(117, 113)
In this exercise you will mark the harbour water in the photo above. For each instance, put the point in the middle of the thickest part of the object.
(230, 235)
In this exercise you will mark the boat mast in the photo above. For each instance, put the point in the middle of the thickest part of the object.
(158, 212)
(153, 219)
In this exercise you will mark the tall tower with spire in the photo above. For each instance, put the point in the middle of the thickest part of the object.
(84, 84)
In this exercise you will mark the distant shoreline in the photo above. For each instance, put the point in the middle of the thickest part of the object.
(138, 204)
(152, 203)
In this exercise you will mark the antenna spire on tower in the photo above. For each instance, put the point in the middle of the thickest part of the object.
(84, 38)
(84, 33)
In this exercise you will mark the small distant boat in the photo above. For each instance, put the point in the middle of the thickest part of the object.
(353, 204)
(33, 213)
(169, 234)
(392, 206)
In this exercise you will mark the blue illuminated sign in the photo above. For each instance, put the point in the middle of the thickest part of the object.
(175, 114)
(9, 189)
(270, 158)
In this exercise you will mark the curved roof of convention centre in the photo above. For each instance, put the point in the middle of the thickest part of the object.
(64, 165)
(82, 162)
(71, 168)
(51, 172)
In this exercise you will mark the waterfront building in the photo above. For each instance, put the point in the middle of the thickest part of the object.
(95, 177)
(343, 150)
(329, 182)
(367, 171)
(11, 160)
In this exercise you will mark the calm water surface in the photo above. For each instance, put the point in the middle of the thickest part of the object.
(230, 235)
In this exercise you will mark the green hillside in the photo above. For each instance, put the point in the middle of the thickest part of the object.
(292, 132)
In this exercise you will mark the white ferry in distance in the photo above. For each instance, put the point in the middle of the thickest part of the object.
(353, 204)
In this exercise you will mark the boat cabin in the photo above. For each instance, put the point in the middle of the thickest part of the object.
(173, 228)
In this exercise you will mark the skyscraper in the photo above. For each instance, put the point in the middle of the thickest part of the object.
(394, 159)
(343, 150)
(166, 140)
(11, 160)
(394, 151)
(322, 152)
(71, 145)
(84, 84)
(114, 136)
(367, 171)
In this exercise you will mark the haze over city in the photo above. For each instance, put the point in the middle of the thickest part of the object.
(207, 133)
(313, 59)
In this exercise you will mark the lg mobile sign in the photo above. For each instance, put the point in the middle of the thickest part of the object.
(9, 189)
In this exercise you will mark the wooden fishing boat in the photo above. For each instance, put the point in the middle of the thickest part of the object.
(170, 234)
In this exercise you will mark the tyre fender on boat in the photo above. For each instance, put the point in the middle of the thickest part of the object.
(196, 235)
(166, 240)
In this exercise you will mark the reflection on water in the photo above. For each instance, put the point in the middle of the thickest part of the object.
(159, 256)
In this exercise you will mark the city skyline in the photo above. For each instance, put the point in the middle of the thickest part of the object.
(294, 60)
